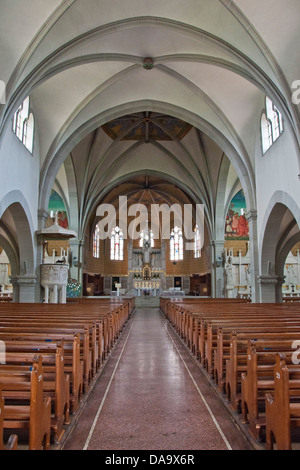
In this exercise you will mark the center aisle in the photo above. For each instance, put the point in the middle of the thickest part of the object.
(151, 395)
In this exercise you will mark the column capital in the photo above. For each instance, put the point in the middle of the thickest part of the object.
(25, 280)
(268, 280)
(42, 217)
(251, 215)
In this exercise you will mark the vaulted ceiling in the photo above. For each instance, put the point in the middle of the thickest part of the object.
(212, 62)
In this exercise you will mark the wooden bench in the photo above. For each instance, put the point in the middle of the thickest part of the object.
(33, 414)
(257, 382)
(223, 350)
(73, 358)
(237, 362)
(219, 333)
(282, 407)
(109, 322)
(86, 333)
(56, 381)
(12, 443)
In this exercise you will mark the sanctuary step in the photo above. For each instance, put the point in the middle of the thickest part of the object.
(147, 302)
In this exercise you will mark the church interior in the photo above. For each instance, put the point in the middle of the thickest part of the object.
(154, 112)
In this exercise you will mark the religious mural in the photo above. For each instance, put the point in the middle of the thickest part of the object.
(56, 204)
(237, 227)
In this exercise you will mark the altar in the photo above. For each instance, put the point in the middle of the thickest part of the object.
(146, 267)
(146, 287)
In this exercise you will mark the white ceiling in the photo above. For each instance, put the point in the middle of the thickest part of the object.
(81, 61)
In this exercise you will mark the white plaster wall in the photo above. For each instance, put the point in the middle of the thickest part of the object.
(277, 170)
(20, 170)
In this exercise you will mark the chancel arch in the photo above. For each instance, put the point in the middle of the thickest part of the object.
(151, 267)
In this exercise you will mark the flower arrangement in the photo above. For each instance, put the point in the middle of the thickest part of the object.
(73, 288)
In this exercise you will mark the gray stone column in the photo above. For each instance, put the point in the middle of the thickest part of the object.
(14, 282)
(24, 288)
(251, 217)
(268, 287)
(76, 247)
(217, 269)
(42, 218)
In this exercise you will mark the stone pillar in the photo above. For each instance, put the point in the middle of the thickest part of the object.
(42, 218)
(77, 256)
(278, 289)
(24, 288)
(14, 282)
(217, 269)
(269, 285)
(251, 217)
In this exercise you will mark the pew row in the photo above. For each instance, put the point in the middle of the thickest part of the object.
(282, 406)
(73, 342)
(223, 335)
(25, 406)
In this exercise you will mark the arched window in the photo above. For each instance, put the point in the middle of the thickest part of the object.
(197, 243)
(266, 133)
(117, 245)
(28, 132)
(96, 244)
(23, 124)
(176, 245)
(271, 125)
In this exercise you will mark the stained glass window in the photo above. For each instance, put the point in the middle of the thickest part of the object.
(271, 125)
(197, 243)
(96, 244)
(117, 245)
(23, 124)
(147, 236)
(176, 245)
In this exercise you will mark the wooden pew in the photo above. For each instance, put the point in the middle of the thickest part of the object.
(12, 443)
(35, 414)
(109, 322)
(218, 334)
(258, 381)
(237, 362)
(215, 337)
(73, 359)
(224, 351)
(86, 332)
(56, 381)
(282, 407)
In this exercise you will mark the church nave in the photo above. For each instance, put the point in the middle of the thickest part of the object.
(151, 395)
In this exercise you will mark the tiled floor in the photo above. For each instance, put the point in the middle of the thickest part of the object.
(151, 395)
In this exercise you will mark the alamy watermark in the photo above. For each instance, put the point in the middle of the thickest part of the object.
(163, 217)
(2, 352)
(296, 93)
(296, 354)
(2, 92)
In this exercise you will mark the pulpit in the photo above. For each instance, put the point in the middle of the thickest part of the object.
(55, 269)
(54, 279)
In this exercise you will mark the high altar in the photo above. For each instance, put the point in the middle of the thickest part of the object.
(147, 268)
